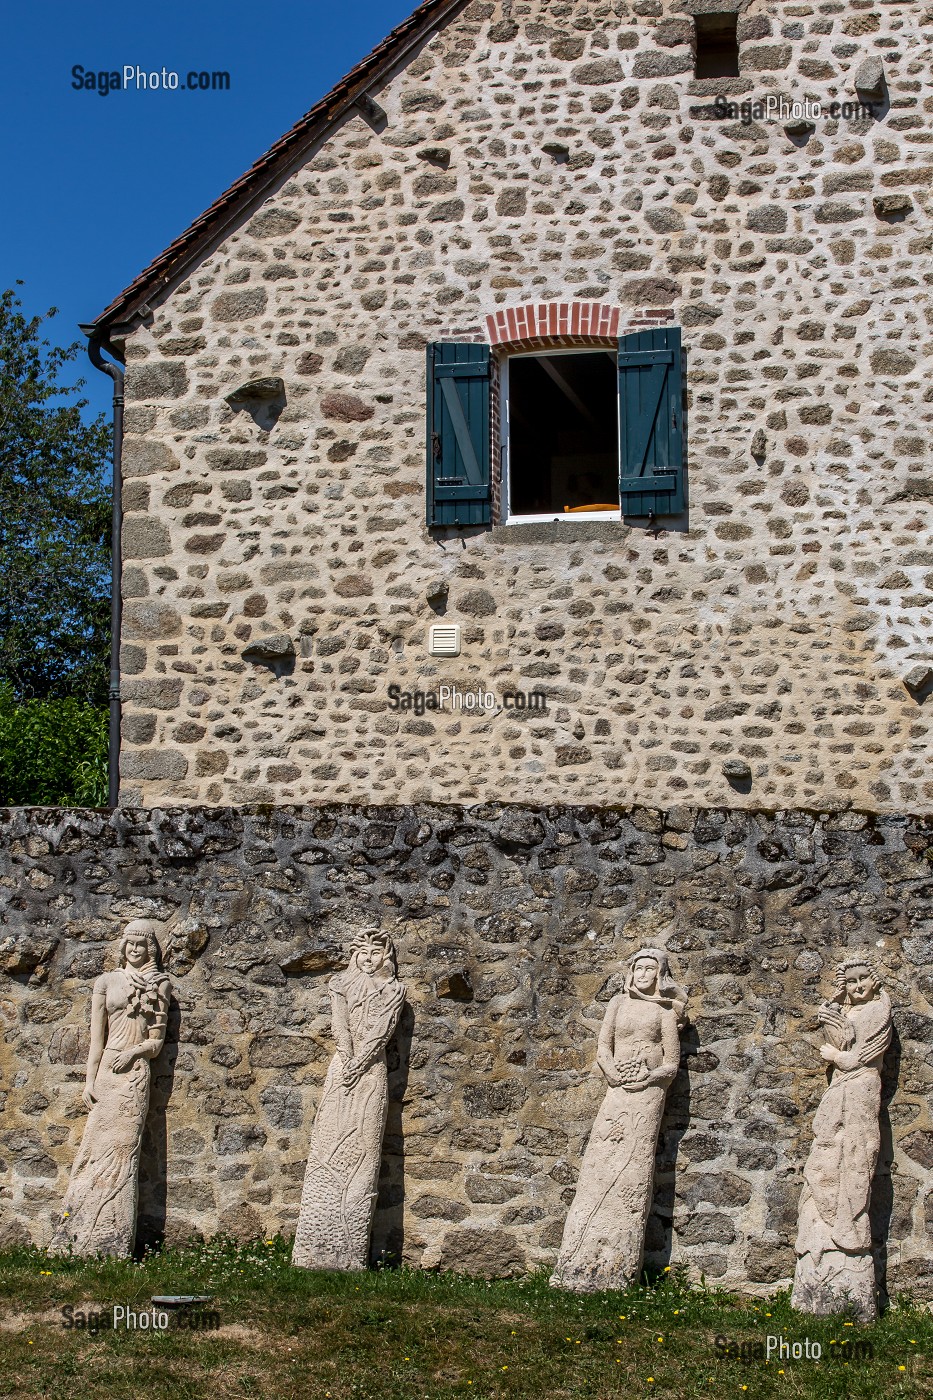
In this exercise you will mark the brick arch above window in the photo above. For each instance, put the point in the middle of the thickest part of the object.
(567, 323)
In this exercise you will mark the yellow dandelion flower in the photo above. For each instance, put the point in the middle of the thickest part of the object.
(902, 1368)
(848, 1324)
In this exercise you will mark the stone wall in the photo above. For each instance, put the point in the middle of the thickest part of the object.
(511, 925)
(773, 627)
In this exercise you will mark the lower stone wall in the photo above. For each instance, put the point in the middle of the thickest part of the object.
(511, 926)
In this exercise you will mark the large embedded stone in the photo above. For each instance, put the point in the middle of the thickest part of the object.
(239, 306)
(273, 223)
(598, 72)
(346, 408)
(869, 79)
(157, 379)
(150, 619)
(272, 648)
(148, 765)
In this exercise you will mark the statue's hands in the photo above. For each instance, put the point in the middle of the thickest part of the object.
(89, 1097)
(352, 1074)
(123, 1060)
(633, 1074)
(842, 1059)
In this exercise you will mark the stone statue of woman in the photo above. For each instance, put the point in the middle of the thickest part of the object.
(129, 1011)
(638, 1054)
(339, 1195)
(835, 1263)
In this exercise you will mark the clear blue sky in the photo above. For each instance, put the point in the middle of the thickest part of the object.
(96, 186)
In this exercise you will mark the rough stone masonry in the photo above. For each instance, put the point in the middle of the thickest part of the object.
(279, 575)
(512, 925)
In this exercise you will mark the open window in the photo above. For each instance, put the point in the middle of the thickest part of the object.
(561, 417)
(717, 46)
(585, 432)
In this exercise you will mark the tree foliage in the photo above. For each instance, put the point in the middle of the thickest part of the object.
(54, 521)
(53, 753)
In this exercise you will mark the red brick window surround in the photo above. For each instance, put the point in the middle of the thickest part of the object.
(552, 325)
(567, 323)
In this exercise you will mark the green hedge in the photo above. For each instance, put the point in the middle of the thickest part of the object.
(53, 753)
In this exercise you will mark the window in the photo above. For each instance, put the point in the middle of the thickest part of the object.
(717, 46)
(592, 433)
(560, 412)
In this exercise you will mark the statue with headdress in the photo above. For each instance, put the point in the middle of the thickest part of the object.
(340, 1186)
(638, 1054)
(129, 1013)
(835, 1261)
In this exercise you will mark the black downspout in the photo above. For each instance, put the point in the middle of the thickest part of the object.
(116, 554)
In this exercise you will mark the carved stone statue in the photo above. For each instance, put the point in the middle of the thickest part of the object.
(129, 1010)
(639, 1054)
(339, 1194)
(835, 1263)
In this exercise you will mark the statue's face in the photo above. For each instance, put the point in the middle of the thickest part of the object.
(136, 950)
(859, 984)
(370, 958)
(645, 974)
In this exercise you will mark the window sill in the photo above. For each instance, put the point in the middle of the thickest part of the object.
(565, 530)
(563, 518)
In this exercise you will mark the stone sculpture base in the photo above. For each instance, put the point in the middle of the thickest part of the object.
(838, 1282)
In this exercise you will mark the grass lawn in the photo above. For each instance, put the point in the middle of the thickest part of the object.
(285, 1332)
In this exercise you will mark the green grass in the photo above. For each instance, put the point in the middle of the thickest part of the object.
(420, 1336)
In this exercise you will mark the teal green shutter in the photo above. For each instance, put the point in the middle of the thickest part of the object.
(458, 480)
(651, 441)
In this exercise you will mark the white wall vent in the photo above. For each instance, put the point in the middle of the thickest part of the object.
(444, 639)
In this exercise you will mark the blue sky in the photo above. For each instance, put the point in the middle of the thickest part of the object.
(97, 185)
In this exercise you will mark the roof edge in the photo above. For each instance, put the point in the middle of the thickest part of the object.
(174, 261)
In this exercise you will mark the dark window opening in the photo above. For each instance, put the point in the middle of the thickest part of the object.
(563, 433)
(717, 46)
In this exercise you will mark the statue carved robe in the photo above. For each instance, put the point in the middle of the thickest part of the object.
(835, 1260)
(340, 1185)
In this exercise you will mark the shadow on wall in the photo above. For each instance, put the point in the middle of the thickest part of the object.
(388, 1238)
(153, 1164)
(882, 1191)
(674, 1124)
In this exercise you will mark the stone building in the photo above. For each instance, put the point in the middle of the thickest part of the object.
(730, 602)
(567, 350)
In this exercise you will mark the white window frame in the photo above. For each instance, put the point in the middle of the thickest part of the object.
(508, 516)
